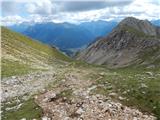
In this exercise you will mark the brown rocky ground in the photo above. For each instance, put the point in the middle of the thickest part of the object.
(68, 93)
(72, 99)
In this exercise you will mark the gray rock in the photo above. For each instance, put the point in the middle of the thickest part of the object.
(121, 98)
(112, 94)
(80, 111)
(13, 77)
(149, 73)
(23, 119)
(45, 118)
(143, 85)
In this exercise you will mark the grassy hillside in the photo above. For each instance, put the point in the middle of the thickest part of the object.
(135, 86)
(21, 55)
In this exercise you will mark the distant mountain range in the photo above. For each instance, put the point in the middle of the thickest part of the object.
(156, 22)
(132, 42)
(67, 37)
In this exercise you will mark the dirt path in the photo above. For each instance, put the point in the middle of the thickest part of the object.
(72, 99)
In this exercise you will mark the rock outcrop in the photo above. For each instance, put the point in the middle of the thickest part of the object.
(129, 43)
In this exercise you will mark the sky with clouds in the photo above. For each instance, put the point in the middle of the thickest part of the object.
(17, 11)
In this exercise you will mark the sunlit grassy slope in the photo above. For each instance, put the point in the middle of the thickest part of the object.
(21, 55)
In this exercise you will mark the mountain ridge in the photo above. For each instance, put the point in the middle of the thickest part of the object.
(123, 45)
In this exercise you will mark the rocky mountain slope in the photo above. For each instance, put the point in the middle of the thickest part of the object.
(38, 82)
(133, 41)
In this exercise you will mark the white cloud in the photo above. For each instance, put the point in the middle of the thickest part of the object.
(9, 8)
(43, 7)
(52, 10)
(9, 20)
(146, 9)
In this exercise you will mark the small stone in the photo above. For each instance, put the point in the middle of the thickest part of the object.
(100, 101)
(128, 90)
(93, 87)
(135, 118)
(52, 95)
(13, 77)
(121, 98)
(45, 118)
(79, 104)
(102, 73)
(80, 111)
(143, 92)
(23, 119)
(112, 94)
(109, 87)
(45, 99)
(80, 119)
(149, 73)
(125, 92)
(87, 97)
(66, 118)
(143, 85)
(151, 66)
(19, 106)
(43, 90)
(98, 96)
(35, 97)
(63, 80)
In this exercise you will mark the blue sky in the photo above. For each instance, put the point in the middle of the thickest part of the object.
(75, 11)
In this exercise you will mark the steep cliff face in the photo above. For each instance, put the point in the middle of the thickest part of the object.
(132, 41)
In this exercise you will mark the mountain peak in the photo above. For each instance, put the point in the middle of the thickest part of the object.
(124, 45)
(141, 25)
(131, 21)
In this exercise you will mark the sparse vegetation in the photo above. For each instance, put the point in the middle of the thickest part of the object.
(139, 89)
(29, 110)
(11, 68)
(137, 32)
(151, 55)
(66, 93)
